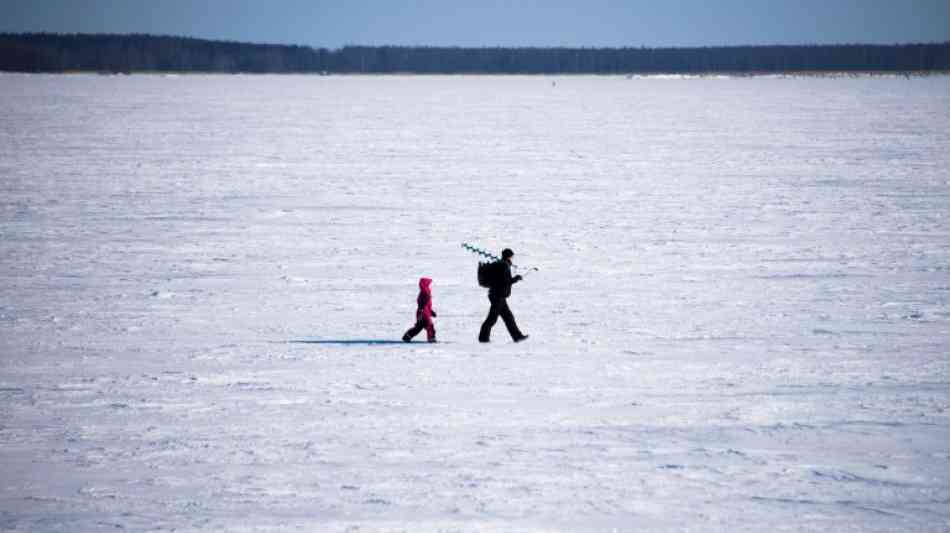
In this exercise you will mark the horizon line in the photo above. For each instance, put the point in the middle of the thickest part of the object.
(462, 47)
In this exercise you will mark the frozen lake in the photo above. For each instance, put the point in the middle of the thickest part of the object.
(741, 318)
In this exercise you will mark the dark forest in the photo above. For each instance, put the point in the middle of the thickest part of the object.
(43, 52)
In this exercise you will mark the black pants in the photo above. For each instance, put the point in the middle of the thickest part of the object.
(499, 308)
(421, 324)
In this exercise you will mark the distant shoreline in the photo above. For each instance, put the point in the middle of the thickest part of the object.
(44, 52)
(698, 75)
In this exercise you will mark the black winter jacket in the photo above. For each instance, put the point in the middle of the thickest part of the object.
(501, 288)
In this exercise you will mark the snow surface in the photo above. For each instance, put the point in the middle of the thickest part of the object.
(740, 320)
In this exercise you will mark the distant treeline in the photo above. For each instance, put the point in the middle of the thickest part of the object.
(43, 52)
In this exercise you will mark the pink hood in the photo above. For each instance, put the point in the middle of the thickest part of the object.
(425, 299)
(424, 284)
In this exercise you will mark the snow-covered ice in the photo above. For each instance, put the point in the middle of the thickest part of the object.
(740, 320)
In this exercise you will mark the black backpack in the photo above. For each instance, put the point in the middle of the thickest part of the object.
(487, 274)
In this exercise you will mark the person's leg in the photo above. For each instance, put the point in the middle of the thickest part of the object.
(414, 330)
(485, 334)
(509, 320)
(430, 331)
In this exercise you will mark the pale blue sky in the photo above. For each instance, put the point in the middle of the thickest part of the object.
(334, 23)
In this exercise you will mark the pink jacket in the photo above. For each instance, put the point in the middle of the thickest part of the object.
(424, 300)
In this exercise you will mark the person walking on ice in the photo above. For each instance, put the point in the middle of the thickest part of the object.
(498, 292)
(424, 313)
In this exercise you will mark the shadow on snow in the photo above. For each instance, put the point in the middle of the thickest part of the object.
(346, 342)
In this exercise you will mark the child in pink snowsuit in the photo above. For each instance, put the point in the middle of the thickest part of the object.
(424, 313)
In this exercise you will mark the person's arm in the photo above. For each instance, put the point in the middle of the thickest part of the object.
(512, 280)
(425, 301)
(508, 280)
